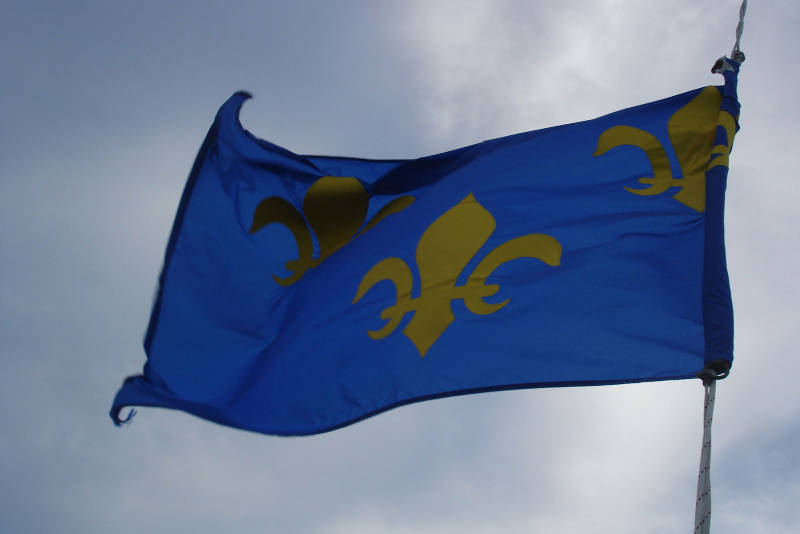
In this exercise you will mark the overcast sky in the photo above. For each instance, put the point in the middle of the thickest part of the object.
(104, 106)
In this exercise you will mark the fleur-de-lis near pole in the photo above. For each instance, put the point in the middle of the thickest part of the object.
(691, 131)
(443, 252)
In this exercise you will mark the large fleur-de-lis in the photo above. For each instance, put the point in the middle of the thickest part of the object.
(335, 206)
(443, 251)
(691, 131)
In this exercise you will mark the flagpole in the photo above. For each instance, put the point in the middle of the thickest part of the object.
(717, 369)
(702, 510)
(736, 54)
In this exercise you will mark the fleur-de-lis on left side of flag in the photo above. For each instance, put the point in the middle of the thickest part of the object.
(335, 207)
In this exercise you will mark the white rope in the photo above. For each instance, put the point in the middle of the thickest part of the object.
(736, 53)
(702, 507)
(702, 510)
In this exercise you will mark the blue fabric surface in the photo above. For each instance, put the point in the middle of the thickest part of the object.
(598, 284)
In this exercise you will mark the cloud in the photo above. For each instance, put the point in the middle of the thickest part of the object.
(110, 105)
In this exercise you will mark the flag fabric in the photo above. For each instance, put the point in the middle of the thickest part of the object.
(300, 294)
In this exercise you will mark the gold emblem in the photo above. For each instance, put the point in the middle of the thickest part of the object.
(443, 252)
(335, 207)
(691, 131)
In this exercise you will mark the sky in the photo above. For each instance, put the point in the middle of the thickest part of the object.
(104, 106)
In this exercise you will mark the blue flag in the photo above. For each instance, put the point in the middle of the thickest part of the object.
(300, 294)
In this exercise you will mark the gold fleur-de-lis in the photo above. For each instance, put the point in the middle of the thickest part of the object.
(691, 131)
(335, 206)
(443, 252)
